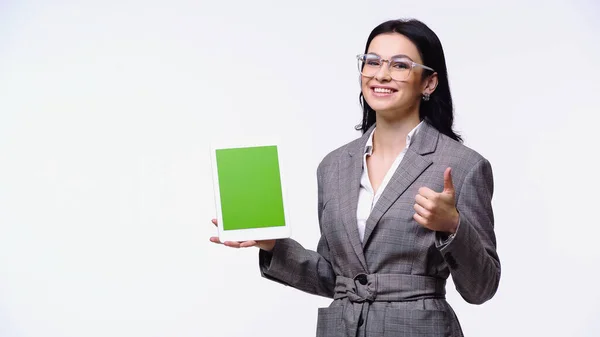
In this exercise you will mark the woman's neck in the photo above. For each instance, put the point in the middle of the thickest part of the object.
(389, 138)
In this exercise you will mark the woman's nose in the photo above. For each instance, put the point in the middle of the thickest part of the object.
(383, 74)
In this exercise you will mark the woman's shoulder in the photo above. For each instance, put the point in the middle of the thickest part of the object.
(463, 159)
(332, 158)
(461, 152)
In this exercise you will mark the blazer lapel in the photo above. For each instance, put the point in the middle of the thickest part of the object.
(411, 167)
(349, 180)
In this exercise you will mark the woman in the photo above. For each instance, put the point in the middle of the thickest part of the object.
(400, 208)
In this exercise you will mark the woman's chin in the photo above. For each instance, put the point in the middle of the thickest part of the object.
(383, 103)
(383, 106)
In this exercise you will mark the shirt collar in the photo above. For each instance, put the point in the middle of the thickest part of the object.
(409, 137)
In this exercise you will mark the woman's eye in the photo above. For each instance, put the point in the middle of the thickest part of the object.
(401, 65)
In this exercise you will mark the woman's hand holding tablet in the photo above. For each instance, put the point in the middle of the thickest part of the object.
(262, 244)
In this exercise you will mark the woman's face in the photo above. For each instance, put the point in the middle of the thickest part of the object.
(389, 96)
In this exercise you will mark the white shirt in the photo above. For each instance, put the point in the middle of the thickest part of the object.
(366, 198)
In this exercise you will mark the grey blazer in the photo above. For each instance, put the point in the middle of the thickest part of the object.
(393, 283)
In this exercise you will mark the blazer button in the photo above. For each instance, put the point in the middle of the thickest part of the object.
(362, 279)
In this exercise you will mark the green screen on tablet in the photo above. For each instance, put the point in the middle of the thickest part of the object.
(250, 187)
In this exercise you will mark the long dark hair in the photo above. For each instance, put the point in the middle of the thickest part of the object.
(438, 111)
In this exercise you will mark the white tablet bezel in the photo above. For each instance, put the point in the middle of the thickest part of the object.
(265, 233)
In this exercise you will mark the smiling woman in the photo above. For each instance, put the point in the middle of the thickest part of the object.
(410, 45)
(400, 209)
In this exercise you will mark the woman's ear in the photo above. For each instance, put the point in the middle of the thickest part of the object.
(430, 84)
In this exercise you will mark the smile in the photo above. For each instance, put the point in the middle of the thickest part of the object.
(383, 91)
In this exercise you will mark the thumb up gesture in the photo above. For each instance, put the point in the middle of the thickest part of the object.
(437, 211)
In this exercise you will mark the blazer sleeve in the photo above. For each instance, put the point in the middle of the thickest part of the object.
(289, 263)
(471, 253)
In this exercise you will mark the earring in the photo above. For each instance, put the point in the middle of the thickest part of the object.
(426, 97)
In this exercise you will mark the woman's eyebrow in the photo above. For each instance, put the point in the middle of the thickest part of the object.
(401, 56)
(393, 57)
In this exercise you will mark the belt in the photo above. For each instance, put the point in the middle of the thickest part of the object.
(388, 287)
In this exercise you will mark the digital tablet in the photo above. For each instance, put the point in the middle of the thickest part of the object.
(249, 192)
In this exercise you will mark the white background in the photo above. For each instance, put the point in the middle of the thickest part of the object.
(106, 114)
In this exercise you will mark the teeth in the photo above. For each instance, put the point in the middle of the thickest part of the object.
(383, 90)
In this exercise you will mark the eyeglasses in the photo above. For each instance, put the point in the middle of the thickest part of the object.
(399, 67)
